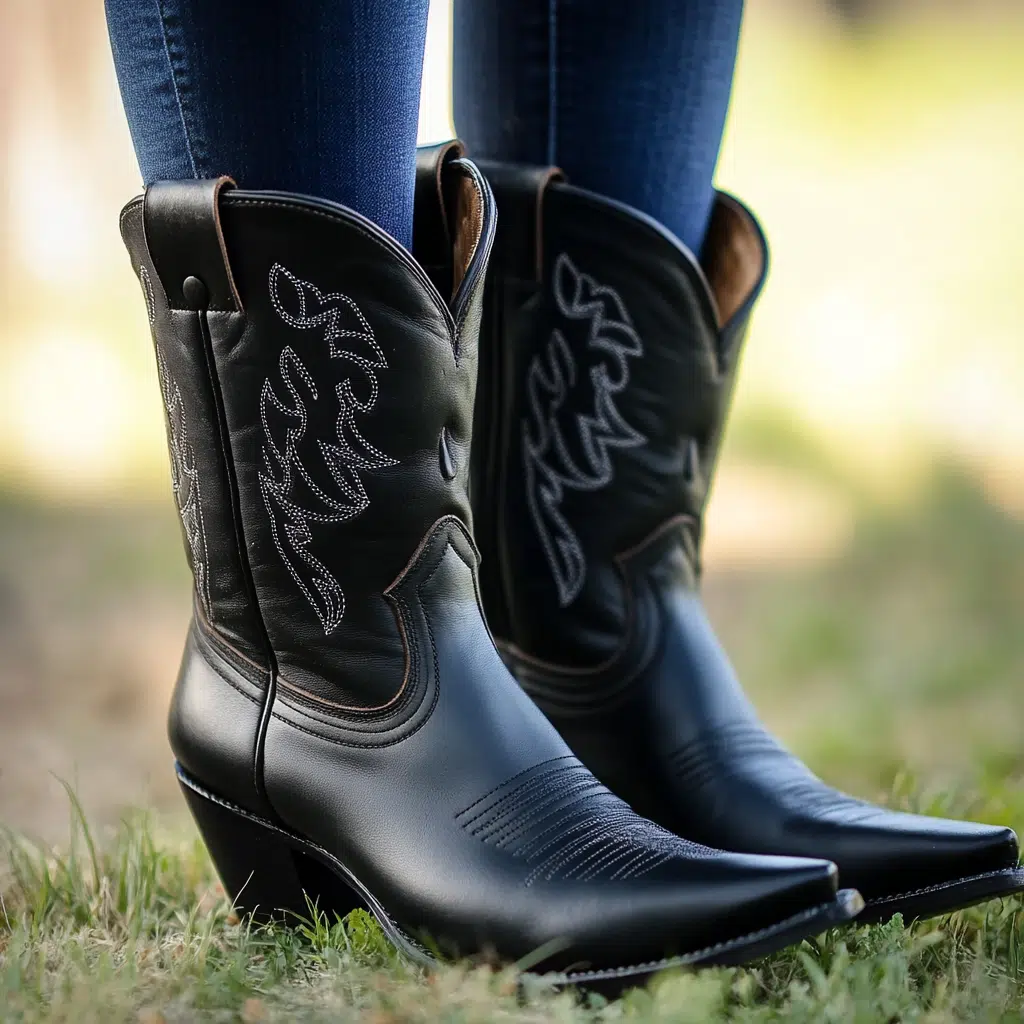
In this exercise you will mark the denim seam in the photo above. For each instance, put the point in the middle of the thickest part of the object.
(552, 79)
(174, 85)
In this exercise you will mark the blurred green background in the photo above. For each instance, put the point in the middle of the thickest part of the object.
(866, 537)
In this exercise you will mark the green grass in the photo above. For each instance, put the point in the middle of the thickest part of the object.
(137, 929)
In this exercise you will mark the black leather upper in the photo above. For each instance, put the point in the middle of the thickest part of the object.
(201, 456)
(340, 681)
(613, 356)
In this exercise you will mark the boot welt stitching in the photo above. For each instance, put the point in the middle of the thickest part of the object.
(939, 887)
(557, 976)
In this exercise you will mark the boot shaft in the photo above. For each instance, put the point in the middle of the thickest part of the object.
(604, 389)
(318, 391)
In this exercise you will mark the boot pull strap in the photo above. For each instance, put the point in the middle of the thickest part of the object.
(519, 190)
(431, 231)
(186, 244)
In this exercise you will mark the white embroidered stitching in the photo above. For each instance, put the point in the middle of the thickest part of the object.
(548, 463)
(184, 477)
(147, 291)
(343, 456)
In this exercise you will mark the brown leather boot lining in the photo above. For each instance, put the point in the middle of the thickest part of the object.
(733, 260)
(466, 205)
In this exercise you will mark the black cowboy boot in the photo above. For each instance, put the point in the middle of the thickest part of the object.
(343, 725)
(601, 404)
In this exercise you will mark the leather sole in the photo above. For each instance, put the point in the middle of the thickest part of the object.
(944, 898)
(271, 874)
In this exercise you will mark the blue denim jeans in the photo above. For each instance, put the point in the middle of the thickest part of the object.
(304, 95)
(628, 97)
(323, 97)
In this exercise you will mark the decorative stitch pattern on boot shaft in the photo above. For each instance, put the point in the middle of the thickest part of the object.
(549, 465)
(184, 472)
(147, 292)
(289, 455)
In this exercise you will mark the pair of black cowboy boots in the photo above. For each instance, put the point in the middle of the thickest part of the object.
(344, 725)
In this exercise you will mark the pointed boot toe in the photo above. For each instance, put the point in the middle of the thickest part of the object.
(345, 730)
(763, 898)
(605, 386)
(920, 866)
(768, 902)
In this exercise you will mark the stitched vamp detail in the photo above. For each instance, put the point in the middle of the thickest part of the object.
(708, 758)
(746, 748)
(567, 826)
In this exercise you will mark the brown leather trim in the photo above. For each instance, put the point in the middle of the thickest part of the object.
(395, 610)
(360, 709)
(469, 225)
(447, 151)
(222, 183)
(185, 239)
(214, 636)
